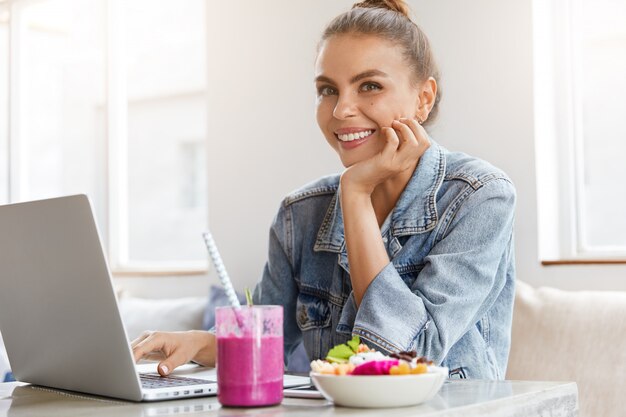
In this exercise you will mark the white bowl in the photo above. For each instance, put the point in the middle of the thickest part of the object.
(378, 391)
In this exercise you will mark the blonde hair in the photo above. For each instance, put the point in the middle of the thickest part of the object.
(390, 20)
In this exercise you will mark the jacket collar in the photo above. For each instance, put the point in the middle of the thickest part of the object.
(415, 212)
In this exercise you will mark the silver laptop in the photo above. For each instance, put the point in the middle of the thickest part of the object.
(58, 311)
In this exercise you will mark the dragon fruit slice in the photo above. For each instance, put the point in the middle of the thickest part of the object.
(375, 367)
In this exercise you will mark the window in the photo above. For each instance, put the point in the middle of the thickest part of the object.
(57, 85)
(580, 62)
(108, 98)
(166, 105)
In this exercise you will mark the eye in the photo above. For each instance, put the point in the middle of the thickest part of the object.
(370, 86)
(326, 90)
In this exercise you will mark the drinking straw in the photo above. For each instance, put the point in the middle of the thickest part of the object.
(224, 278)
(220, 269)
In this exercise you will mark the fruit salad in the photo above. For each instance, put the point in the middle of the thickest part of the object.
(355, 358)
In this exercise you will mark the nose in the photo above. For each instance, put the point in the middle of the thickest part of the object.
(345, 107)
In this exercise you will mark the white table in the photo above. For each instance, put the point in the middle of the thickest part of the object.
(464, 398)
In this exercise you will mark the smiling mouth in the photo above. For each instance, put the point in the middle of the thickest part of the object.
(349, 137)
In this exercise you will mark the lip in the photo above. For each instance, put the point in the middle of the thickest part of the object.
(353, 143)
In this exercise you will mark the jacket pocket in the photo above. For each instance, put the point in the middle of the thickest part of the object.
(313, 317)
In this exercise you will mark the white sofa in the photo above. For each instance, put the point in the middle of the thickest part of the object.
(572, 336)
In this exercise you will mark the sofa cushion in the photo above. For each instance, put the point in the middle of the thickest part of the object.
(171, 314)
(572, 336)
(217, 298)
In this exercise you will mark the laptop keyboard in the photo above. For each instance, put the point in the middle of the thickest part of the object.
(154, 380)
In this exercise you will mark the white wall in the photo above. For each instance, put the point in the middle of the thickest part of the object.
(264, 138)
(265, 142)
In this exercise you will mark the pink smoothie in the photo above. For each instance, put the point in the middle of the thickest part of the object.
(250, 373)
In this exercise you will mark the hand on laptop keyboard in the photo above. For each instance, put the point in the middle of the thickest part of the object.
(174, 349)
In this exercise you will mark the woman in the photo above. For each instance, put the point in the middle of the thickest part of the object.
(411, 247)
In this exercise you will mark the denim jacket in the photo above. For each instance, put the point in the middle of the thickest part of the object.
(447, 292)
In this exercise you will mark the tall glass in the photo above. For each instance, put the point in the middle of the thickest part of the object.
(250, 362)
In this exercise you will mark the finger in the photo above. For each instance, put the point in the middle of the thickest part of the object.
(423, 141)
(422, 136)
(404, 131)
(149, 345)
(424, 145)
(176, 359)
(140, 338)
(392, 142)
(418, 129)
(154, 357)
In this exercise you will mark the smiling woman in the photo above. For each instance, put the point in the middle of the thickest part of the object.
(411, 246)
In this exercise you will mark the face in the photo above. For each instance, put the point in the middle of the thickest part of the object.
(363, 83)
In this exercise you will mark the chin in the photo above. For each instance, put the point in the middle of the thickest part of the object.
(348, 163)
(354, 158)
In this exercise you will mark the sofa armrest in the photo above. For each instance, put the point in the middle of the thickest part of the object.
(572, 336)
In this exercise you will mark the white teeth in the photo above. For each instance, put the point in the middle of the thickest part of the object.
(352, 136)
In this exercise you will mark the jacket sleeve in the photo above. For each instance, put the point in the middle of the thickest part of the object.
(462, 276)
(277, 285)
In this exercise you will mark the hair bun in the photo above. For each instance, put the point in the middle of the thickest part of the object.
(396, 5)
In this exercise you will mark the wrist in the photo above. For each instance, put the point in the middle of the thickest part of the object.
(354, 189)
(206, 348)
(355, 201)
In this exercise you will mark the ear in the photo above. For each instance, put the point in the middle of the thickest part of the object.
(426, 99)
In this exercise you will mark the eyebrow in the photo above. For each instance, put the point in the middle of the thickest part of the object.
(356, 78)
